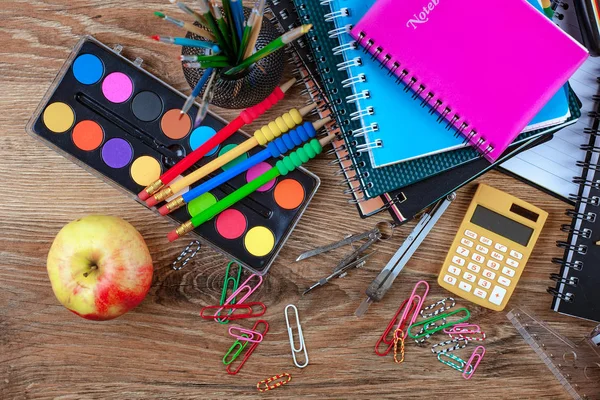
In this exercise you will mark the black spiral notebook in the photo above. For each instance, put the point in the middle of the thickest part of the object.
(577, 290)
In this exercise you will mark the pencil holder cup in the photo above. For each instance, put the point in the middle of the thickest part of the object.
(249, 87)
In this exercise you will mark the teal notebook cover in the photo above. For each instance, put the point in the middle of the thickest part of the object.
(374, 181)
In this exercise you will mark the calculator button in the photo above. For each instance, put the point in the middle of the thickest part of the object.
(489, 274)
(469, 276)
(471, 234)
(508, 271)
(497, 295)
(458, 261)
(454, 270)
(486, 241)
(465, 286)
(462, 251)
(503, 281)
(516, 254)
(481, 249)
(512, 263)
(497, 256)
(450, 279)
(478, 258)
(466, 242)
(473, 267)
(484, 284)
(493, 264)
(500, 247)
(480, 293)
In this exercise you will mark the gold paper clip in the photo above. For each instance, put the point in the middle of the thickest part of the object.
(264, 385)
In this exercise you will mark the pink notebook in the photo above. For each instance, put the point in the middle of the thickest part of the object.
(486, 69)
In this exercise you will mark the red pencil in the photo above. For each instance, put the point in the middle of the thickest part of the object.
(246, 117)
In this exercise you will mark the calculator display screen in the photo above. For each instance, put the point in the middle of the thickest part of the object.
(501, 225)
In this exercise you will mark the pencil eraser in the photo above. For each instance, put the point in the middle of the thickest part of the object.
(143, 195)
(151, 202)
(163, 210)
(172, 236)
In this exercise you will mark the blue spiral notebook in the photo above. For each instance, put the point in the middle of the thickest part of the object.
(393, 122)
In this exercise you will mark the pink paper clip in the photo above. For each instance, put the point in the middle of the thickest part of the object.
(464, 328)
(243, 286)
(253, 336)
(477, 356)
(420, 300)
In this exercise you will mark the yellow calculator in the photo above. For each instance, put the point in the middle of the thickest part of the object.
(492, 246)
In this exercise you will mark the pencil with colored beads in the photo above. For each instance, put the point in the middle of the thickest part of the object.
(283, 167)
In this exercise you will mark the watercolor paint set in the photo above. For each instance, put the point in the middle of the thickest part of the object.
(107, 114)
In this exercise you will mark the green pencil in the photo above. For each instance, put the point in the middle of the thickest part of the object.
(204, 9)
(270, 48)
(223, 27)
(246, 35)
(201, 58)
(207, 64)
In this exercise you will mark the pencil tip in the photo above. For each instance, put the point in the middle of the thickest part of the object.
(306, 28)
(159, 14)
(155, 37)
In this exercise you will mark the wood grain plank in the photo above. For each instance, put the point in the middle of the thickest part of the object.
(163, 349)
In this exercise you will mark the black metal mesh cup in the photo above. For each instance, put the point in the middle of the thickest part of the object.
(249, 87)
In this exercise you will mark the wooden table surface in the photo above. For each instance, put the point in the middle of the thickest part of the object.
(162, 349)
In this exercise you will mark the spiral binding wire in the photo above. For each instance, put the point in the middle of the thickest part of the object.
(576, 233)
(420, 91)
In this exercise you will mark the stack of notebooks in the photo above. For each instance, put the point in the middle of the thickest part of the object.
(429, 95)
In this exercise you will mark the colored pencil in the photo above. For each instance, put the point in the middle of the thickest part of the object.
(262, 136)
(216, 11)
(274, 149)
(246, 35)
(283, 167)
(196, 92)
(180, 41)
(204, 9)
(206, 99)
(237, 11)
(190, 12)
(203, 58)
(206, 64)
(186, 25)
(256, 27)
(270, 48)
(247, 116)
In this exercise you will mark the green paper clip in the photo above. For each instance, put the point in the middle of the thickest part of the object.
(428, 332)
(234, 287)
(459, 365)
(241, 344)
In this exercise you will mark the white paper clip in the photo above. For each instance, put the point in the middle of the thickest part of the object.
(302, 347)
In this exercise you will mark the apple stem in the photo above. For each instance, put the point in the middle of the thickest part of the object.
(92, 268)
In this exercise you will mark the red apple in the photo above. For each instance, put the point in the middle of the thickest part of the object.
(99, 267)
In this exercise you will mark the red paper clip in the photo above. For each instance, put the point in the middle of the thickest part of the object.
(233, 307)
(390, 328)
(250, 348)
